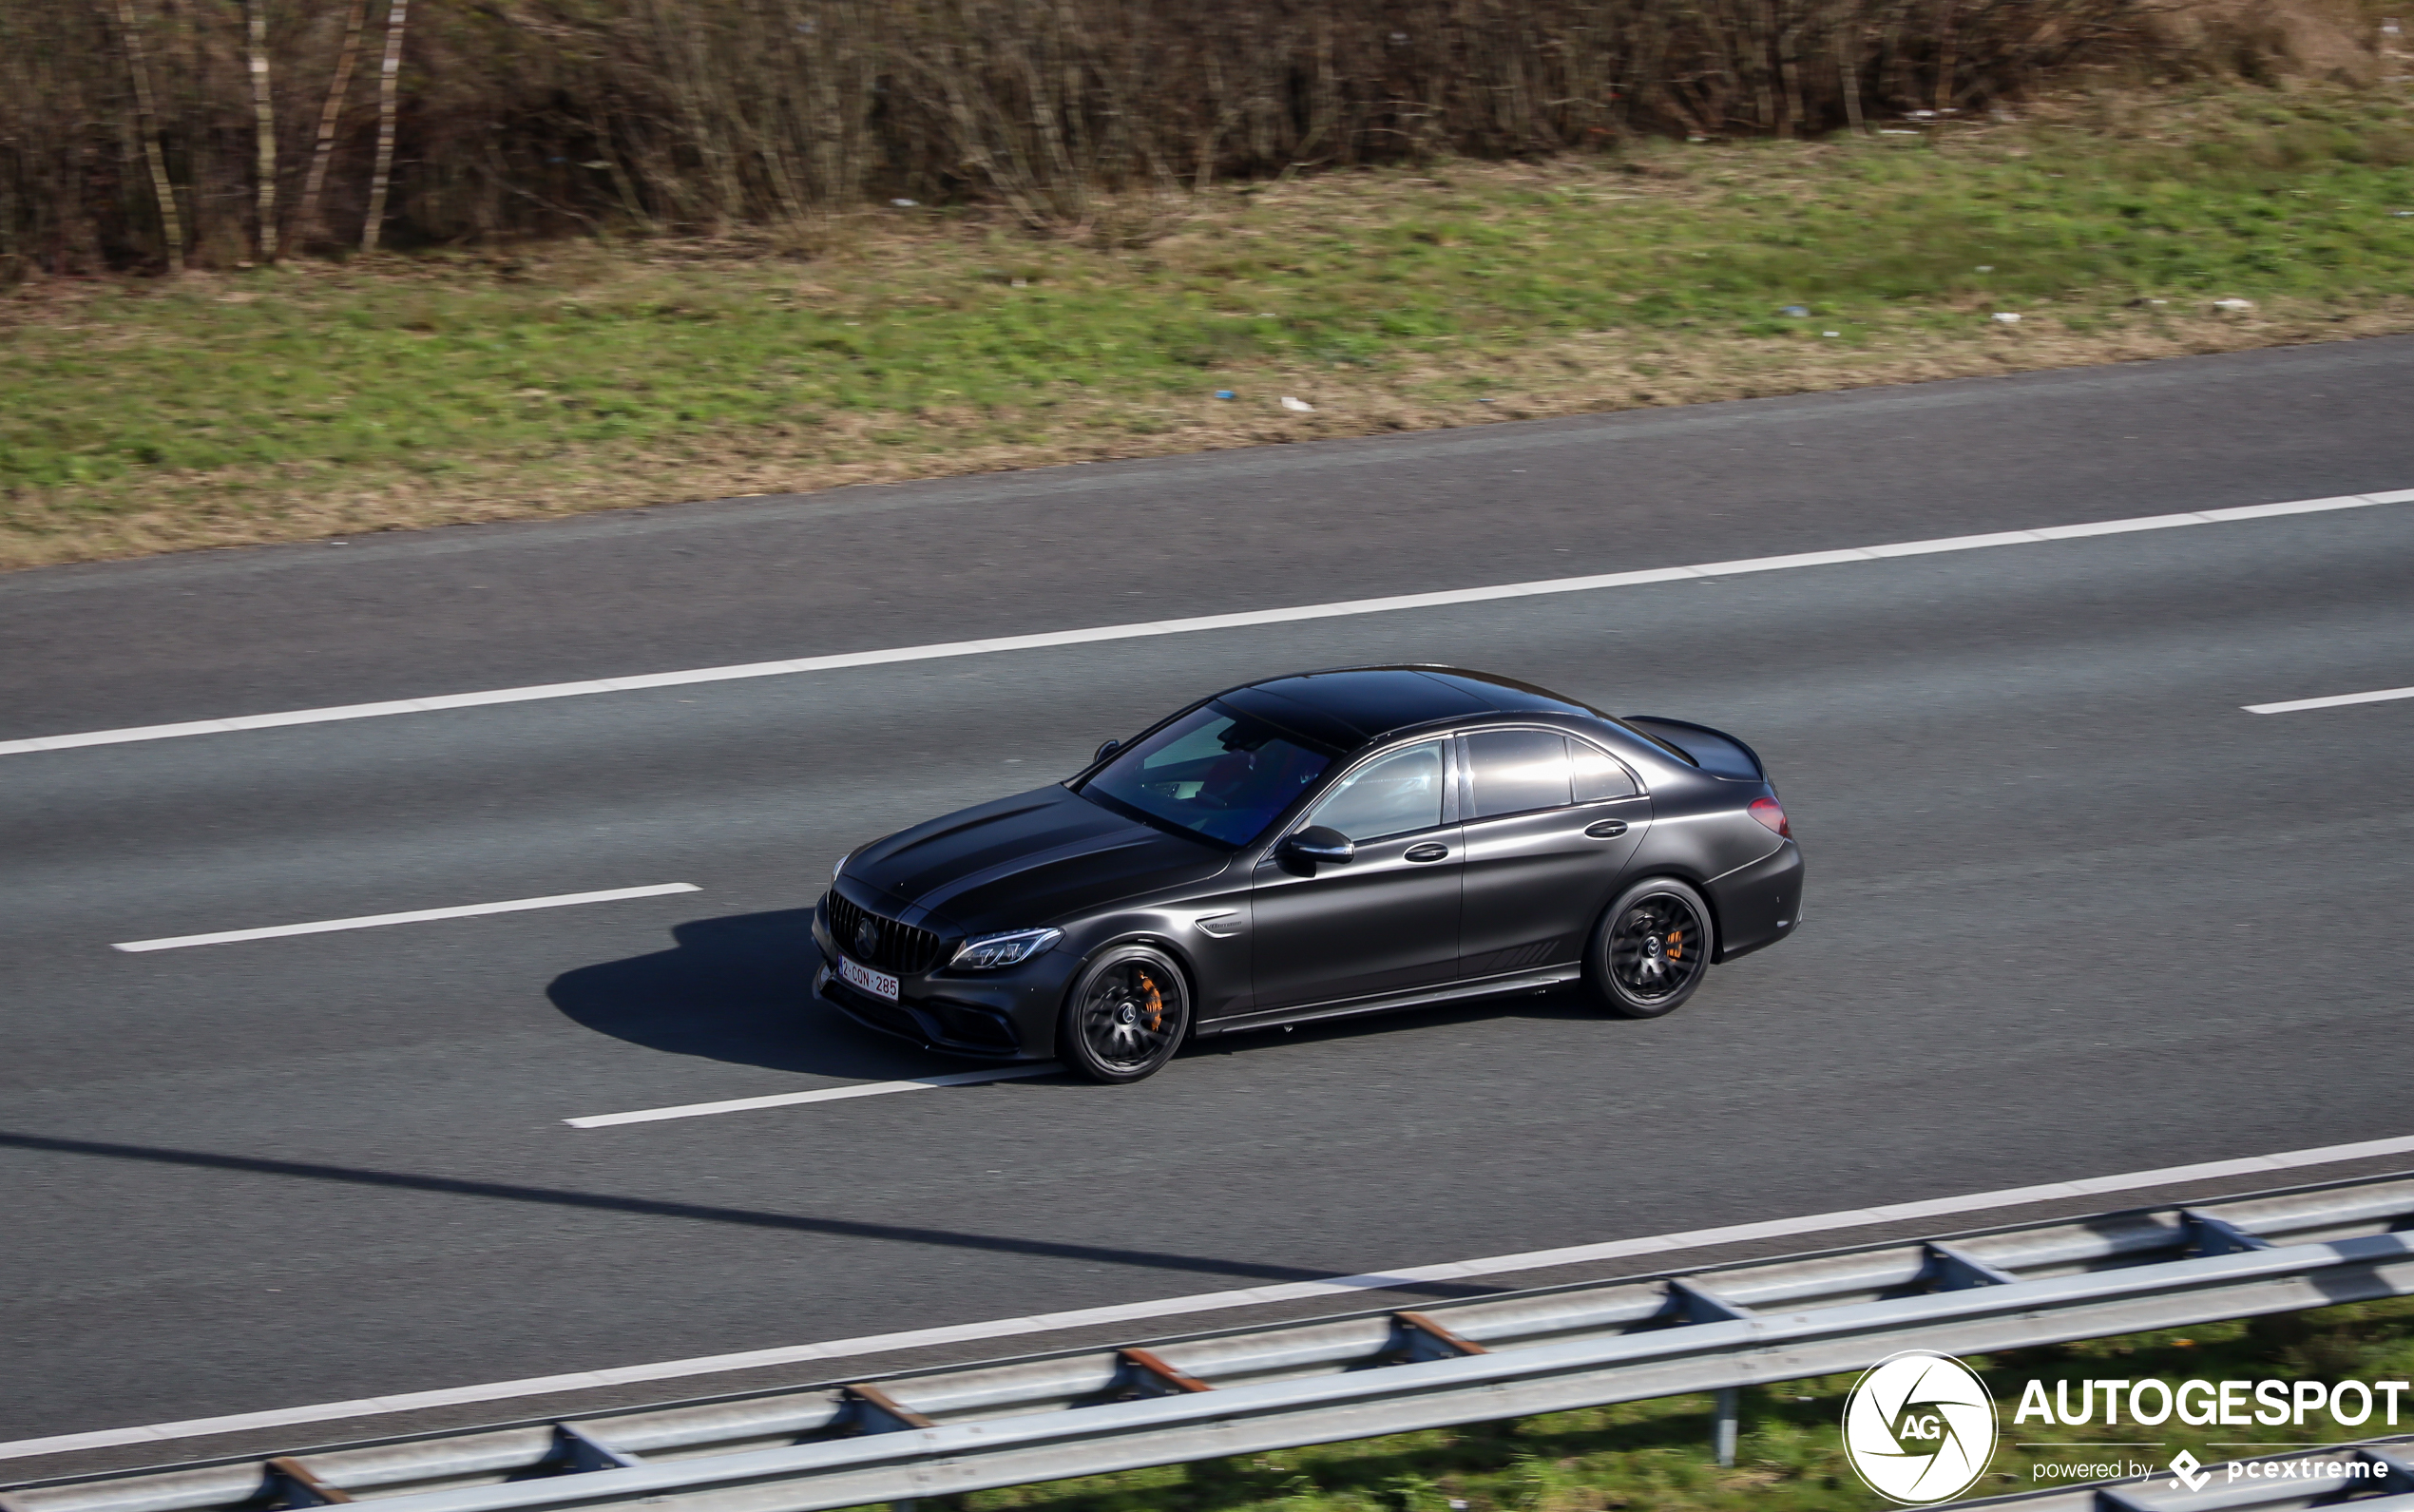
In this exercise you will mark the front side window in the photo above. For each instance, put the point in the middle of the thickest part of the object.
(1518, 771)
(1214, 772)
(1390, 794)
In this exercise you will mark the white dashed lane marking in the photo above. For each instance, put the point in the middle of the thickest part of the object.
(372, 921)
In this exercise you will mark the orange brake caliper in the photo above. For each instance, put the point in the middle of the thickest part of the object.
(1676, 944)
(1155, 1001)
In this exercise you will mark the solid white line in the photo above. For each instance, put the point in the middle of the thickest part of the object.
(1212, 1301)
(372, 921)
(1209, 621)
(2335, 700)
(790, 1100)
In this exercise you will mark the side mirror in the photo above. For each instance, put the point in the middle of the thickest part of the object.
(1105, 751)
(1319, 843)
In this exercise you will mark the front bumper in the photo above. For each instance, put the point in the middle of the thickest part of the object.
(1004, 1015)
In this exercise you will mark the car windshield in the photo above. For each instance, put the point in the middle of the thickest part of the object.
(1214, 772)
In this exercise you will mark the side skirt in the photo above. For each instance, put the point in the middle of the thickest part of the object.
(1451, 992)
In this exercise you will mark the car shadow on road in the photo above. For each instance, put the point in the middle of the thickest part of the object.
(738, 988)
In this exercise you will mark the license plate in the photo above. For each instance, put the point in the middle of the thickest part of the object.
(879, 983)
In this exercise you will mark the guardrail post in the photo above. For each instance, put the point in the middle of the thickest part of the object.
(1955, 1270)
(2397, 1469)
(578, 1451)
(1423, 1339)
(2207, 1235)
(1692, 1302)
(297, 1486)
(869, 1409)
(1151, 1374)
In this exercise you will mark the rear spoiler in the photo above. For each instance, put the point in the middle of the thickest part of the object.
(1715, 751)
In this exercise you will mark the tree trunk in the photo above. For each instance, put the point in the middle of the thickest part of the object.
(1848, 62)
(307, 224)
(397, 13)
(1945, 61)
(147, 113)
(264, 119)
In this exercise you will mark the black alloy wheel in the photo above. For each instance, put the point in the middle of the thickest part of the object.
(1650, 950)
(1127, 1014)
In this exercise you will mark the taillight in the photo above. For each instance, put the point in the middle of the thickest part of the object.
(1772, 813)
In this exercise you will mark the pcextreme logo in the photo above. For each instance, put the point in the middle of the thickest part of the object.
(1919, 1428)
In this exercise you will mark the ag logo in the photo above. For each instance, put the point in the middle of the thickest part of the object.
(1919, 1428)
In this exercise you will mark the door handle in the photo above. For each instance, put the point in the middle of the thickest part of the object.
(1429, 850)
(1606, 828)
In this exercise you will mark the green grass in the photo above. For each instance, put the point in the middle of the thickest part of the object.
(287, 400)
(1790, 1457)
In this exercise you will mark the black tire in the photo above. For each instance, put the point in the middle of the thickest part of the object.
(1651, 948)
(1127, 1013)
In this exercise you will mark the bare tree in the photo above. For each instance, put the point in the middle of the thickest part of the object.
(1080, 117)
(388, 84)
(146, 121)
(265, 121)
(307, 223)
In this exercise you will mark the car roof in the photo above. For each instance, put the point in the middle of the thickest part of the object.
(1349, 707)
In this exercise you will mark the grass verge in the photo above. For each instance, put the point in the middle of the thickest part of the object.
(317, 399)
(1790, 1457)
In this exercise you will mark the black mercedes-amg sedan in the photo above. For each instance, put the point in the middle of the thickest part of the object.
(1310, 845)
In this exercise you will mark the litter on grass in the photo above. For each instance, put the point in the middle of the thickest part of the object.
(1798, 310)
(2233, 304)
(1226, 394)
(2007, 317)
(1300, 405)
(905, 204)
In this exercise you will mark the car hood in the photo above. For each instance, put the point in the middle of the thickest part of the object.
(1035, 858)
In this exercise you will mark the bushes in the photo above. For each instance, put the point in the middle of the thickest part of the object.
(537, 117)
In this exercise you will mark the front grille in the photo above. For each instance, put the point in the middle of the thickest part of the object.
(898, 948)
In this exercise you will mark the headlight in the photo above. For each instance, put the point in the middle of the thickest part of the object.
(841, 866)
(994, 950)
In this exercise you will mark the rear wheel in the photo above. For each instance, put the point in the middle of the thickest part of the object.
(1651, 948)
(1127, 1015)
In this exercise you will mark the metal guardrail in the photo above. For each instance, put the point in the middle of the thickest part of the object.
(2376, 1475)
(945, 1431)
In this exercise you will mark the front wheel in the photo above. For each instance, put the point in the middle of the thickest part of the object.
(1650, 950)
(1127, 1015)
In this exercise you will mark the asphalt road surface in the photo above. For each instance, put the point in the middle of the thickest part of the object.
(2071, 911)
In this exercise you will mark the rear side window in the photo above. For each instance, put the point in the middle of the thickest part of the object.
(1516, 770)
(1598, 777)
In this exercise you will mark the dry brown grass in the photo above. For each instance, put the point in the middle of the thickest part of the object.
(1585, 376)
